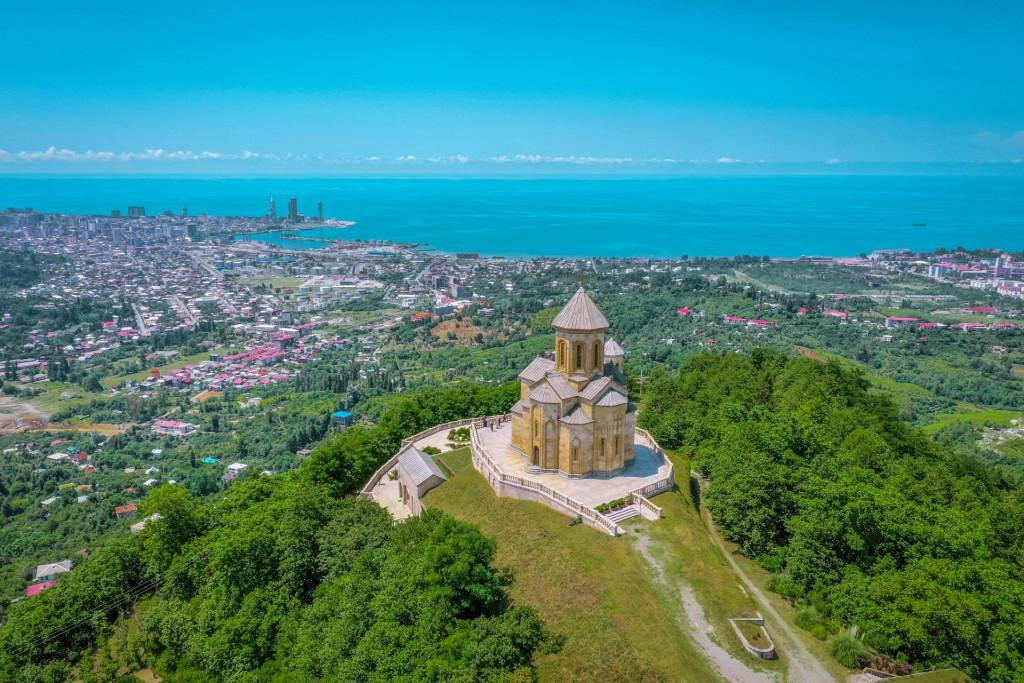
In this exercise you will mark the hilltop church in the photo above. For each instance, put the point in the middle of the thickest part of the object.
(574, 416)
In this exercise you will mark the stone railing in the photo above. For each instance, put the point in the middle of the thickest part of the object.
(647, 509)
(393, 460)
(666, 483)
(496, 478)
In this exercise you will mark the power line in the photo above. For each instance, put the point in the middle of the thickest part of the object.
(129, 595)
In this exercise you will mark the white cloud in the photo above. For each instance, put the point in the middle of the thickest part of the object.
(63, 154)
(155, 155)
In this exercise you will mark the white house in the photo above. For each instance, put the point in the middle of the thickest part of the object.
(49, 572)
(234, 469)
(417, 474)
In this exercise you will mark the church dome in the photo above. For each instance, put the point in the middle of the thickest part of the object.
(581, 314)
(612, 349)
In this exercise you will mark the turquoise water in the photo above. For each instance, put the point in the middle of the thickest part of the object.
(777, 216)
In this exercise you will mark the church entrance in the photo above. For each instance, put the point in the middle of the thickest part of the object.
(536, 455)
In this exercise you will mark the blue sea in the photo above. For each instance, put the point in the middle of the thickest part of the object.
(776, 216)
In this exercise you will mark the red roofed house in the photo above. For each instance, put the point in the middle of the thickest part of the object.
(37, 588)
(123, 511)
(969, 327)
(734, 320)
(173, 427)
(684, 310)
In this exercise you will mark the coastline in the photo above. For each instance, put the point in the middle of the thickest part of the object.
(784, 217)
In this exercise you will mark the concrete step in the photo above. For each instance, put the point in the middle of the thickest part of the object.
(623, 514)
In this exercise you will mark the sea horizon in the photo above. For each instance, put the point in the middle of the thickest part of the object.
(782, 216)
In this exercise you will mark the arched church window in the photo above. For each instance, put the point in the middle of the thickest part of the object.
(579, 356)
(597, 355)
(561, 353)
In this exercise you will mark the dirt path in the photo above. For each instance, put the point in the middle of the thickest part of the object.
(804, 667)
(732, 669)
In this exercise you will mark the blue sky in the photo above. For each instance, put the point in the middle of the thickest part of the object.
(382, 86)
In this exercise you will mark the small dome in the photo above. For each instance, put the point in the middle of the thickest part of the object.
(581, 313)
(612, 349)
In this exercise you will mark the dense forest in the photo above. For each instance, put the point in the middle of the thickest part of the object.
(289, 578)
(887, 540)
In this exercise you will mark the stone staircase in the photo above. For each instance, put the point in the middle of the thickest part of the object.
(623, 514)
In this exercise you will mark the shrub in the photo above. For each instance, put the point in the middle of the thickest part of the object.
(785, 586)
(808, 619)
(850, 652)
(431, 450)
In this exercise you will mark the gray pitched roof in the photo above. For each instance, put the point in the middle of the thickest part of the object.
(577, 417)
(612, 398)
(544, 394)
(419, 465)
(536, 370)
(53, 568)
(521, 405)
(581, 313)
(561, 385)
(592, 390)
(612, 348)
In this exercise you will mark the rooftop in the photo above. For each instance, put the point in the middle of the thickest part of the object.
(581, 313)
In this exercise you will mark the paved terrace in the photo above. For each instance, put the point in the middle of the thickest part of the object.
(385, 494)
(648, 468)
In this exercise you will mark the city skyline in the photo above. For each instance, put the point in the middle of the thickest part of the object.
(399, 89)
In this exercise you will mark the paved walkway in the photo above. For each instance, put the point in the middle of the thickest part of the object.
(438, 441)
(647, 468)
(804, 667)
(385, 494)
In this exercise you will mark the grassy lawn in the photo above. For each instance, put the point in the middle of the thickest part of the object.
(588, 587)
(50, 401)
(455, 461)
(619, 620)
(975, 416)
(1018, 371)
